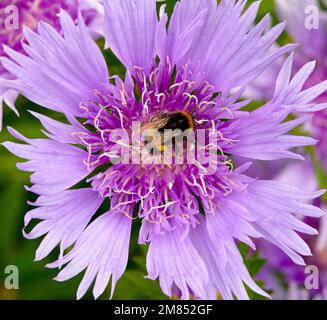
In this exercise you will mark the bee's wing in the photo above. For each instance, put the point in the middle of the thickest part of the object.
(157, 123)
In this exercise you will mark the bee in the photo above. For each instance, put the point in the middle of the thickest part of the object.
(170, 121)
(181, 120)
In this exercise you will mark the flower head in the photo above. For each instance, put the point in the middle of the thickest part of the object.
(19, 14)
(189, 76)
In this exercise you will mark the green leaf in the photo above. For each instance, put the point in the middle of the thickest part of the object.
(133, 285)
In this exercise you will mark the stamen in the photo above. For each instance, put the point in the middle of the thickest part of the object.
(228, 111)
(122, 92)
(153, 221)
(206, 87)
(226, 189)
(165, 206)
(191, 96)
(127, 214)
(107, 177)
(120, 116)
(84, 107)
(198, 164)
(160, 95)
(123, 203)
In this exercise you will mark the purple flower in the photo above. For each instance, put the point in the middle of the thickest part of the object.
(307, 25)
(18, 14)
(292, 286)
(192, 214)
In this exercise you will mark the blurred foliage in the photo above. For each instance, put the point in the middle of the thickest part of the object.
(254, 263)
(36, 280)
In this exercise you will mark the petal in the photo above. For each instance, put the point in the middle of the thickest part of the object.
(58, 72)
(173, 259)
(262, 136)
(131, 29)
(59, 131)
(64, 216)
(102, 250)
(56, 166)
(321, 245)
(225, 265)
(94, 13)
(8, 97)
(275, 207)
(219, 42)
(289, 94)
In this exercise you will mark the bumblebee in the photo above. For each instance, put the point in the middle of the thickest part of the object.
(181, 120)
(170, 121)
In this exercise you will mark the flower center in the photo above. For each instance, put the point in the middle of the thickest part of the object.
(164, 112)
(164, 101)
